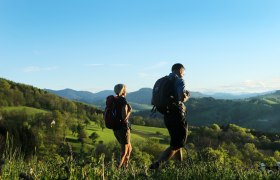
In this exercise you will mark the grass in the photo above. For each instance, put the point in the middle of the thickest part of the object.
(107, 135)
(28, 110)
(56, 168)
(137, 133)
(149, 130)
(270, 101)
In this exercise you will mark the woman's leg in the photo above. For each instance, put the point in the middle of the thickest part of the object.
(124, 151)
(129, 147)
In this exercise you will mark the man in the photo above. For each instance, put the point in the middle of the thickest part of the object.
(175, 118)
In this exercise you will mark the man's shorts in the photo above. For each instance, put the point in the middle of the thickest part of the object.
(178, 129)
(123, 135)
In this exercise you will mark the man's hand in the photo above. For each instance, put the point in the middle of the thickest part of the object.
(185, 97)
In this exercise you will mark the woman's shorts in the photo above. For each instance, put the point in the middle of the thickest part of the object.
(122, 135)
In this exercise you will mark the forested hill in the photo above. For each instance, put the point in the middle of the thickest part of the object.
(36, 119)
(261, 113)
(16, 94)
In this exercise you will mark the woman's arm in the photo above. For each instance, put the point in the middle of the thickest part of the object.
(126, 111)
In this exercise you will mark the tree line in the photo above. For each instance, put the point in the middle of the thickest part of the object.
(36, 131)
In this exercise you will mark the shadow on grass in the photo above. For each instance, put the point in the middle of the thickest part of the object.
(71, 140)
(94, 129)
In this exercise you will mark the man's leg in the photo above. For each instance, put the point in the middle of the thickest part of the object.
(179, 155)
(164, 156)
(167, 154)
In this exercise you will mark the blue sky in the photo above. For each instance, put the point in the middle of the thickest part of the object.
(225, 45)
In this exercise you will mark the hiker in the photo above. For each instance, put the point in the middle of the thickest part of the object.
(175, 117)
(122, 130)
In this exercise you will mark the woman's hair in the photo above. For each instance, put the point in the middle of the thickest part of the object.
(119, 89)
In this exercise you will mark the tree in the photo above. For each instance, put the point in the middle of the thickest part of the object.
(270, 161)
(73, 129)
(81, 133)
(139, 120)
(277, 155)
(218, 155)
(232, 150)
(94, 137)
(4, 84)
(98, 118)
(251, 153)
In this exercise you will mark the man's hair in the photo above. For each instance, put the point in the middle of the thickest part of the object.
(177, 67)
(119, 88)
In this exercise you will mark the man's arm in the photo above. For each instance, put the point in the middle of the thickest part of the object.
(183, 94)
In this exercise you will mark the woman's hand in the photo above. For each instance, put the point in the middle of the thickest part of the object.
(129, 108)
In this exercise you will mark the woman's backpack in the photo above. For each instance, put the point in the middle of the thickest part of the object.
(110, 112)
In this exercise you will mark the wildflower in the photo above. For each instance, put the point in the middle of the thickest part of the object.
(31, 171)
(52, 123)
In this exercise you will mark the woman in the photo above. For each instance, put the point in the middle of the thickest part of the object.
(122, 130)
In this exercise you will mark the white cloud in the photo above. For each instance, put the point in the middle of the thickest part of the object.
(153, 72)
(107, 65)
(149, 76)
(252, 86)
(119, 65)
(31, 69)
(95, 65)
(276, 80)
(158, 65)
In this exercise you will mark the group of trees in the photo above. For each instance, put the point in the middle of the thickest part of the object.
(15, 94)
(226, 146)
(251, 113)
(234, 144)
(146, 121)
(260, 113)
(45, 130)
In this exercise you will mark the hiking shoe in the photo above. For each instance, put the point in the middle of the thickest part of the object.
(154, 165)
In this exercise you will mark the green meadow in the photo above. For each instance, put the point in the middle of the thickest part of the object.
(106, 136)
(27, 110)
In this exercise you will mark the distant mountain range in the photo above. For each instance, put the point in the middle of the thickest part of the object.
(236, 96)
(256, 111)
(141, 99)
(83, 96)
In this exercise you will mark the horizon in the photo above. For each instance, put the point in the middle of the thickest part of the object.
(205, 93)
(226, 47)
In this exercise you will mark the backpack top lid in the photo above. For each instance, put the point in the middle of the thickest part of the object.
(110, 101)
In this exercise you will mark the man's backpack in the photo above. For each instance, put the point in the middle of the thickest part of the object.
(163, 94)
(110, 112)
